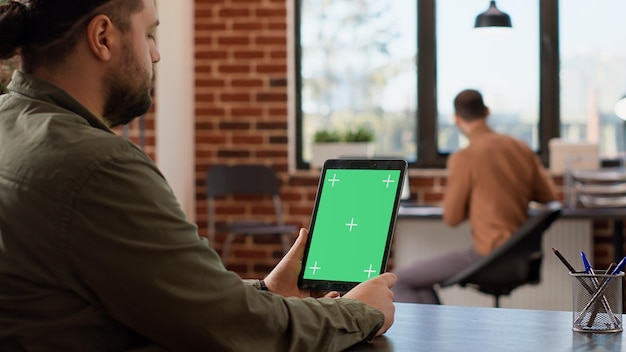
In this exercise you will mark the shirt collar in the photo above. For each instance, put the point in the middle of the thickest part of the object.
(34, 88)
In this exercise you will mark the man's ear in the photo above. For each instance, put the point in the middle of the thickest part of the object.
(101, 37)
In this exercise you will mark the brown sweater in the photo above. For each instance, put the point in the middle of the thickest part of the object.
(491, 183)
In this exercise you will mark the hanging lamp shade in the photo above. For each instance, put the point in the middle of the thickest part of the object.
(492, 18)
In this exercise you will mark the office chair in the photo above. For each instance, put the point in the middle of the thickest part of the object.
(515, 263)
(256, 180)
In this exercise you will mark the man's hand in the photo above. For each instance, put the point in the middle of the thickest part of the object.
(376, 292)
(283, 280)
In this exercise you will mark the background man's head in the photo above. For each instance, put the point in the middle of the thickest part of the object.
(469, 106)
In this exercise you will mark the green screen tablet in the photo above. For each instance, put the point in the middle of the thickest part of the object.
(352, 223)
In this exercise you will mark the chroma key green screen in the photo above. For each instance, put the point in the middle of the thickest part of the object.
(352, 224)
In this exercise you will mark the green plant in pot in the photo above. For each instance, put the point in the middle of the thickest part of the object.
(361, 134)
(327, 136)
(333, 144)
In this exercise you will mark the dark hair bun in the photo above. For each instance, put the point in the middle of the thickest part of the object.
(13, 16)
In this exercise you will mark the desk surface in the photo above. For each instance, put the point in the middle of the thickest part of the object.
(421, 327)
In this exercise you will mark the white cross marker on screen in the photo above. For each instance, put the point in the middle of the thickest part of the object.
(334, 179)
(315, 267)
(352, 224)
(369, 271)
(388, 180)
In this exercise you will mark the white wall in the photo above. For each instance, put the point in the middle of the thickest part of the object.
(175, 145)
(291, 85)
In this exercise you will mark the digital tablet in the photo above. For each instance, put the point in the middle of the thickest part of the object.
(352, 224)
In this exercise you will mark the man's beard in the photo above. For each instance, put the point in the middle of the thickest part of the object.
(128, 91)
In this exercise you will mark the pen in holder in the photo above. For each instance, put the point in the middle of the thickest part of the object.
(597, 301)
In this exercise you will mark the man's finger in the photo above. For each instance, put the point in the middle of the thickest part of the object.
(297, 250)
(332, 294)
(390, 279)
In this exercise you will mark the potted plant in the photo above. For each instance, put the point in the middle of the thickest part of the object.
(333, 144)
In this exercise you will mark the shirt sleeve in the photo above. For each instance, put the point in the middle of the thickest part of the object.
(133, 255)
(458, 189)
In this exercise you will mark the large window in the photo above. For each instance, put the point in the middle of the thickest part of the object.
(358, 70)
(394, 66)
(502, 63)
(593, 71)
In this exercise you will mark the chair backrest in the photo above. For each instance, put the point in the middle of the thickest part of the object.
(515, 262)
(241, 179)
(253, 179)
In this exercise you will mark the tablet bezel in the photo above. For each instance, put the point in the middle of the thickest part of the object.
(371, 164)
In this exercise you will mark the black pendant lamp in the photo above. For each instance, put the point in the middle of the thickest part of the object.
(492, 18)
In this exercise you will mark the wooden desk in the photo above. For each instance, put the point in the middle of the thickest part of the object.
(420, 327)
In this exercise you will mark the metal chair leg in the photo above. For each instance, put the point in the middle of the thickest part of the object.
(226, 247)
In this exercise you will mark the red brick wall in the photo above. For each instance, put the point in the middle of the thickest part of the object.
(241, 112)
(241, 117)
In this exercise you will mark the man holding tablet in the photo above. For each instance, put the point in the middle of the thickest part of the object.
(96, 253)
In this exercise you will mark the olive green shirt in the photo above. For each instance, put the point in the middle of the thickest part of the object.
(97, 255)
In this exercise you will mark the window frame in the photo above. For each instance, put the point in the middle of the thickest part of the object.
(426, 112)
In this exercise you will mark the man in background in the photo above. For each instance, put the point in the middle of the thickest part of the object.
(95, 251)
(490, 183)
